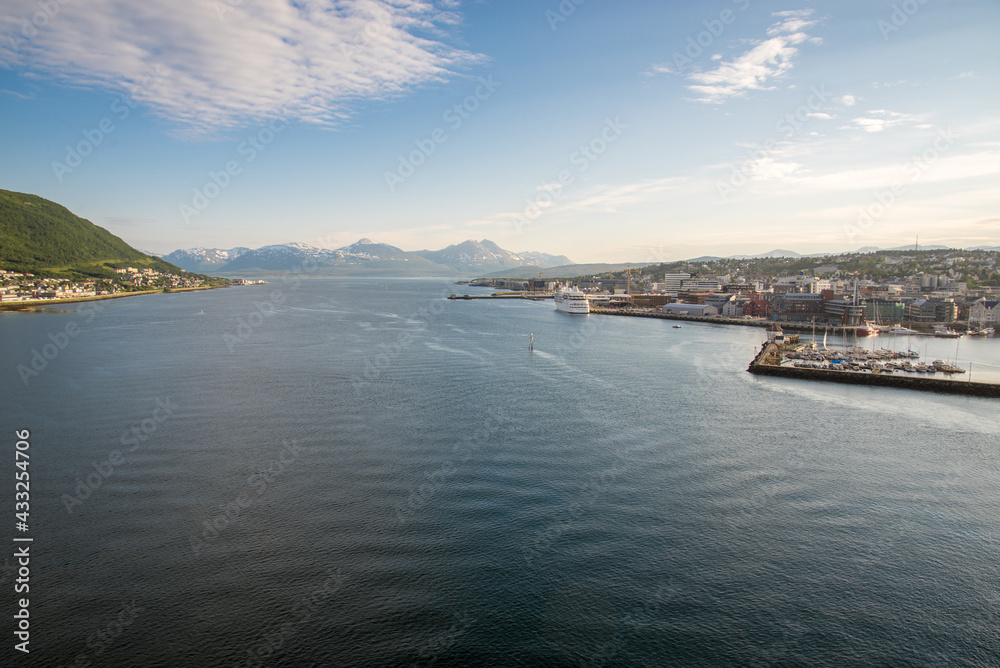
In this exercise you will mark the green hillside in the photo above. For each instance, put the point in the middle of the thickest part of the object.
(43, 238)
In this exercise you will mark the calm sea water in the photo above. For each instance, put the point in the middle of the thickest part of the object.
(365, 474)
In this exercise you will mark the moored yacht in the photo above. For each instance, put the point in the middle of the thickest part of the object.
(943, 332)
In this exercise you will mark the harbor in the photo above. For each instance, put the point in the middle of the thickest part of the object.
(919, 329)
(857, 366)
(889, 360)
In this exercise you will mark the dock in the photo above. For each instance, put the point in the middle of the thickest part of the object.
(535, 297)
(768, 363)
(719, 320)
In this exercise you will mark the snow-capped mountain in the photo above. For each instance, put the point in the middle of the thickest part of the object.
(360, 258)
(366, 248)
(544, 260)
(485, 256)
(474, 256)
(364, 257)
(201, 260)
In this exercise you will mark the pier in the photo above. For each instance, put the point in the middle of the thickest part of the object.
(719, 320)
(539, 296)
(768, 363)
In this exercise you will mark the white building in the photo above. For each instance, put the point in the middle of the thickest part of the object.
(807, 284)
(672, 283)
(984, 312)
(701, 285)
(735, 308)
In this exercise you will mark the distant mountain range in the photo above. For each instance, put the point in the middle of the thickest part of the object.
(567, 270)
(42, 237)
(792, 254)
(469, 258)
(203, 260)
(365, 257)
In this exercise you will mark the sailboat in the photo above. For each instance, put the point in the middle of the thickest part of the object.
(863, 327)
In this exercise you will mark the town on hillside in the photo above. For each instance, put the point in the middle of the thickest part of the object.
(25, 287)
(920, 288)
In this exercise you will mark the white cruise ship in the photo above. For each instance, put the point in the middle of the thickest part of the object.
(571, 300)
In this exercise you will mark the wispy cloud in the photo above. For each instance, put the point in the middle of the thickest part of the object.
(608, 199)
(226, 64)
(765, 61)
(20, 96)
(878, 120)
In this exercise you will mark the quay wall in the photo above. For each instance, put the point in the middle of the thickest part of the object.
(717, 320)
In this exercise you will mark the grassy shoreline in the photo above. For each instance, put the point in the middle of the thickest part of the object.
(35, 304)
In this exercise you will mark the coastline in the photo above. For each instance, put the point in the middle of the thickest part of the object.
(33, 306)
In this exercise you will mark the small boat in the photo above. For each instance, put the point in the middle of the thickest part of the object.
(943, 366)
(867, 330)
(946, 333)
(677, 326)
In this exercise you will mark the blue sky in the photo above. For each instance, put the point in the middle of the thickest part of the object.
(639, 131)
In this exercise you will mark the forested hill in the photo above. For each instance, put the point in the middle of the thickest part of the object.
(40, 237)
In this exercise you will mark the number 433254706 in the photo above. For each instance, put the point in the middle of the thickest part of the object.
(21, 487)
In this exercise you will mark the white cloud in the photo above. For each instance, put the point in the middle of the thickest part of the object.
(227, 63)
(847, 100)
(945, 169)
(769, 169)
(607, 199)
(766, 60)
(878, 120)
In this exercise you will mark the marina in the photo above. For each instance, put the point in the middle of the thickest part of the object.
(861, 367)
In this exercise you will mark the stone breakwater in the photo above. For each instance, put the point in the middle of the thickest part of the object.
(764, 364)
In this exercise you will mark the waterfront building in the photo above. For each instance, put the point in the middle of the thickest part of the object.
(651, 301)
(735, 308)
(718, 300)
(798, 306)
(693, 296)
(884, 311)
(758, 306)
(985, 312)
(931, 310)
(844, 311)
(689, 309)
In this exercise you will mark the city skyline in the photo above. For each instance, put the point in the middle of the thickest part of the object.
(606, 133)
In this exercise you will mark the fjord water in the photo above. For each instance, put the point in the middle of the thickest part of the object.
(372, 475)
